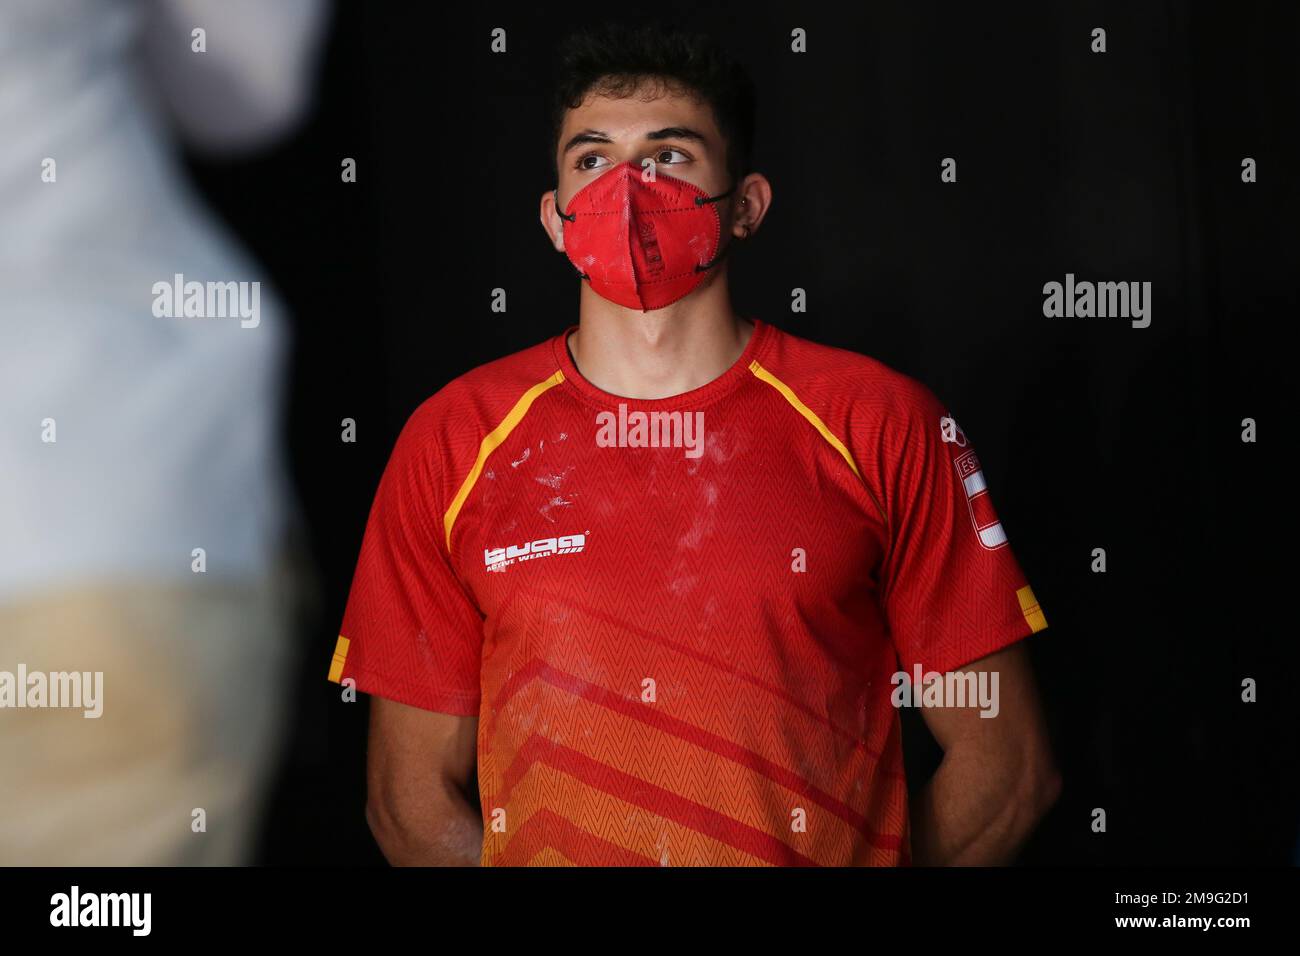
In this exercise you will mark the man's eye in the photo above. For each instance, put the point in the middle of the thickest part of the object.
(665, 156)
(596, 159)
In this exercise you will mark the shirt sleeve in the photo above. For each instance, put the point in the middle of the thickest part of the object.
(411, 630)
(953, 591)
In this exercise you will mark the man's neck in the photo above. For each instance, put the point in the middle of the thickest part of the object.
(657, 354)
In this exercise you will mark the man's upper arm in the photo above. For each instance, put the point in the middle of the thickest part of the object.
(410, 746)
(1016, 721)
(997, 778)
(420, 800)
(952, 590)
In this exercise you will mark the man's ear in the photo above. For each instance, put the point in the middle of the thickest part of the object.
(551, 220)
(751, 205)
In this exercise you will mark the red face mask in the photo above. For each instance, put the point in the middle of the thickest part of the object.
(642, 245)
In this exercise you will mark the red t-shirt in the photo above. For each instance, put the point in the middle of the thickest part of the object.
(677, 619)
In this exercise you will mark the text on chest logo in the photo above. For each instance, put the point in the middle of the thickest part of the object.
(498, 559)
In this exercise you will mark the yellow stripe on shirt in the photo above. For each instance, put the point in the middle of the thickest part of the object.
(1029, 607)
(340, 658)
(490, 443)
(766, 376)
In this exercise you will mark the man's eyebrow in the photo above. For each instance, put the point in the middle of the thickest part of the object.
(668, 132)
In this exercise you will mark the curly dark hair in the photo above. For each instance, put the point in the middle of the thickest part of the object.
(613, 58)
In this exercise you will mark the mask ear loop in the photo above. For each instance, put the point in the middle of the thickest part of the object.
(700, 201)
(559, 209)
(567, 218)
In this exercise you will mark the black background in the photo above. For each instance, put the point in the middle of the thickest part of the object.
(1122, 166)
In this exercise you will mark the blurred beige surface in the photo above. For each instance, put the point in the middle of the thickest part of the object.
(192, 718)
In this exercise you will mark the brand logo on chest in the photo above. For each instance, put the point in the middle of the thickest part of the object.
(498, 559)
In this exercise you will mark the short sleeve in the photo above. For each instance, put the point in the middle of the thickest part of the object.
(411, 630)
(952, 590)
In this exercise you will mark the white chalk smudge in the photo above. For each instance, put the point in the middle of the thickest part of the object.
(559, 501)
(553, 481)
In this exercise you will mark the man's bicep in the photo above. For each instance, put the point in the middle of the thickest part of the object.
(1003, 687)
(997, 778)
(411, 747)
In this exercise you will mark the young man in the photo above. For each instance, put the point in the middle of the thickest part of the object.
(649, 582)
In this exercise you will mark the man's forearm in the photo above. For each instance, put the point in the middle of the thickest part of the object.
(438, 828)
(978, 810)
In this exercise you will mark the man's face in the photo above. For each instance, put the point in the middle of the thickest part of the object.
(674, 130)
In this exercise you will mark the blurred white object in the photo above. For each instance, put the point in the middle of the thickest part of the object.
(167, 428)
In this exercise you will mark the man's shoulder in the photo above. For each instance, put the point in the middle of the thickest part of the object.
(486, 394)
(839, 379)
